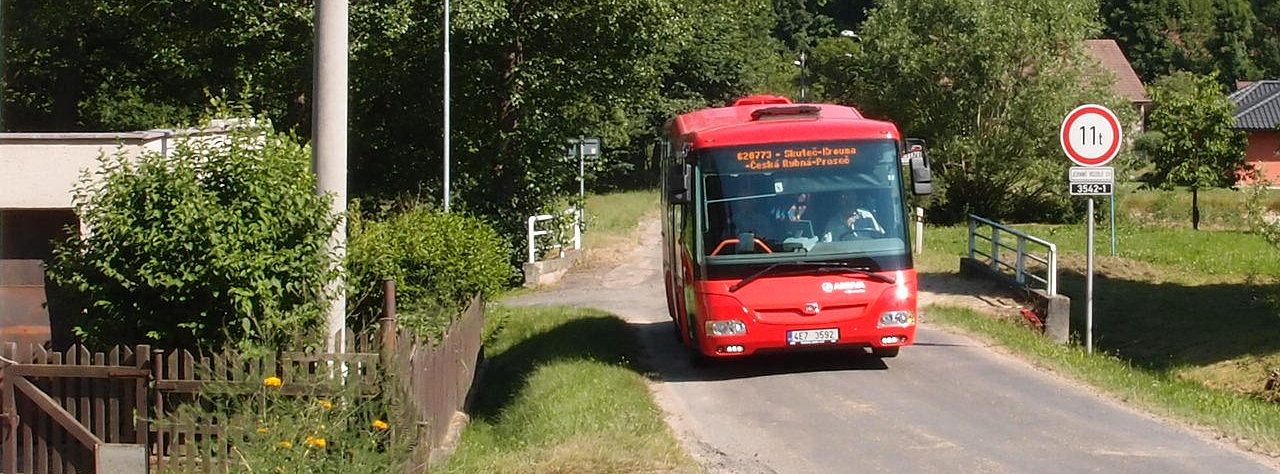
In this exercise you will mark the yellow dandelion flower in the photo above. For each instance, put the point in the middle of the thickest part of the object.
(272, 382)
(286, 444)
(262, 429)
(380, 425)
(327, 405)
(316, 442)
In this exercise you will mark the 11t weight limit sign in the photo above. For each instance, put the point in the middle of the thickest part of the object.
(1091, 135)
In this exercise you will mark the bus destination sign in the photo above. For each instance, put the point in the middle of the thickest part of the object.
(796, 158)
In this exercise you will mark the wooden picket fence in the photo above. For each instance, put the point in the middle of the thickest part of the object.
(81, 412)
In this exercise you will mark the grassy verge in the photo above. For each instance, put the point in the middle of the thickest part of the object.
(1201, 306)
(562, 393)
(1253, 423)
(612, 217)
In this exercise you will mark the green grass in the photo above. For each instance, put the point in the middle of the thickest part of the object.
(1220, 209)
(562, 393)
(613, 217)
(1189, 321)
(1211, 254)
(1251, 422)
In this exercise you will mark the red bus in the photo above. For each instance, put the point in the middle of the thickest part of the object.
(784, 226)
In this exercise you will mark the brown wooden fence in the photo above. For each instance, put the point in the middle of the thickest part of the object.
(82, 412)
(424, 363)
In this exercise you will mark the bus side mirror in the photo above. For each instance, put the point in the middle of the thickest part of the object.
(678, 183)
(918, 160)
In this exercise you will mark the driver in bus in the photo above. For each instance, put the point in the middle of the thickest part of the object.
(851, 220)
(748, 215)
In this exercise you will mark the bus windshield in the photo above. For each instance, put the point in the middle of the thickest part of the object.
(811, 201)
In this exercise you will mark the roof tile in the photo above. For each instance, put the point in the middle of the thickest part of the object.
(1258, 106)
(1108, 54)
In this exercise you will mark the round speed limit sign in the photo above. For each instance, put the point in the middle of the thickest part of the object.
(1091, 135)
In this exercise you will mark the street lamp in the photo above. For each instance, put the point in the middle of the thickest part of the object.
(446, 106)
(804, 76)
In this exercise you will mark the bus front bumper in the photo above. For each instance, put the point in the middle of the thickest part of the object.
(769, 338)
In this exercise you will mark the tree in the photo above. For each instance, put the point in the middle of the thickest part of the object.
(1201, 36)
(1192, 141)
(128, 65)
(528, 75)
(987, 84)
(1266, 38)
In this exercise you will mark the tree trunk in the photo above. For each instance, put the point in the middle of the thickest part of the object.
(1195, 208)
(509, 110)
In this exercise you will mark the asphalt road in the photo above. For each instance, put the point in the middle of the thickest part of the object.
(946, 404)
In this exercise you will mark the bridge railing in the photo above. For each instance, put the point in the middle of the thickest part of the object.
(534, 231)
(1003, 248)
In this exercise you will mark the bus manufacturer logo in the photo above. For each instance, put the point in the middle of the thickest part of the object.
(848, 287)
(812, 308)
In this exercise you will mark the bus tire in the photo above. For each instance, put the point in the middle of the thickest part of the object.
(885, 352)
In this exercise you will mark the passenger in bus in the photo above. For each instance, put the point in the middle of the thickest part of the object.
(851, 220)
(797, 211)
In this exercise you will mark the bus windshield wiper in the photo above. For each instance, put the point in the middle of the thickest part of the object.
(818, 266)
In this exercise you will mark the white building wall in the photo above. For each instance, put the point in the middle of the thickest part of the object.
(41, 170)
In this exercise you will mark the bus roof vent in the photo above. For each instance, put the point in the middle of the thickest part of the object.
(794, 111)
(761, 100)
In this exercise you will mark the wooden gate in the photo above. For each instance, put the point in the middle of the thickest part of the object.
(74, 411)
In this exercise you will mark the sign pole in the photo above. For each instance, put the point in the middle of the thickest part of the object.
(1091, 137)
(1088, 286)
(582, 177)
(1113, 225)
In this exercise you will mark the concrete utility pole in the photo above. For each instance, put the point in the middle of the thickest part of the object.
(329, 137)
(2, 69)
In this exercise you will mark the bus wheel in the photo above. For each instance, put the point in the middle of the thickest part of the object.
(885, 352)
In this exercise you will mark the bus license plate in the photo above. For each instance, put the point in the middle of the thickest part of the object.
(813, 336)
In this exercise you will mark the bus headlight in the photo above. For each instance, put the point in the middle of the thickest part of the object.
(896, 319)
(731, 327)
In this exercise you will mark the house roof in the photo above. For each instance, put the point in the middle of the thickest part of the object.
(1109, 55)
(1258, 106)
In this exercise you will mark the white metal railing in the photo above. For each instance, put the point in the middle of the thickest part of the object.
(1021, 255)
(534, 232)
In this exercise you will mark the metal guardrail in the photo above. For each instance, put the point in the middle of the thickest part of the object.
(995, 252)
(534, 232)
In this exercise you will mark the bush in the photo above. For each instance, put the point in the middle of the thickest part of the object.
(216, 243)
(439, 261)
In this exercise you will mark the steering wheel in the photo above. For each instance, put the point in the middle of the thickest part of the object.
(855, 234)
(759, 243)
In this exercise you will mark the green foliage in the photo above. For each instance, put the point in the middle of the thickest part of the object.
(124, 65)
(1196, 145)
(987, 84)
(528, 75)
(1233, 38)
(324, 427)
(1264, 213)
(1266, 38)
(216, 243)
(439, 261)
